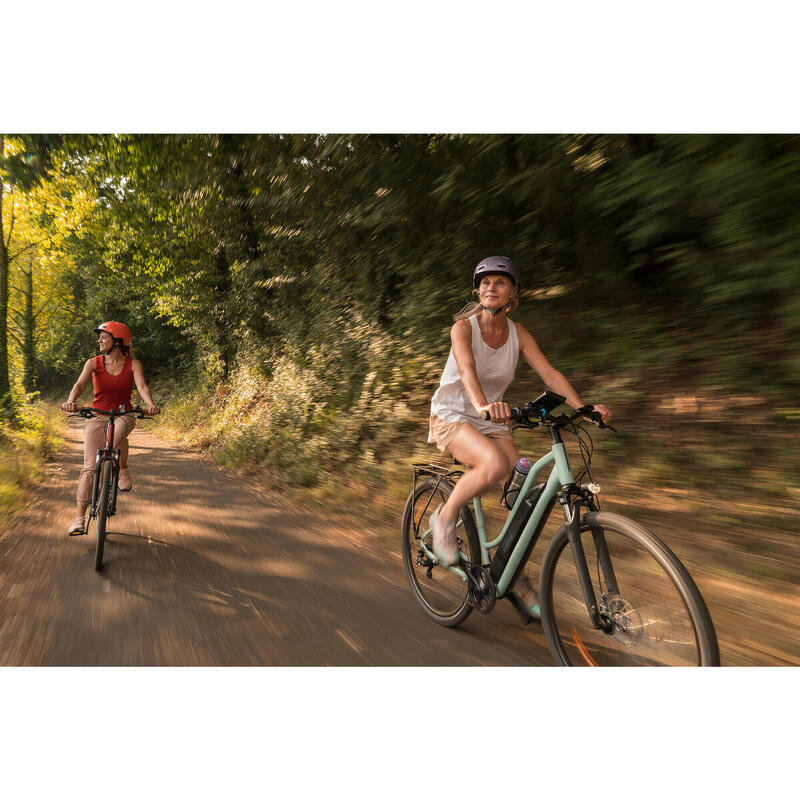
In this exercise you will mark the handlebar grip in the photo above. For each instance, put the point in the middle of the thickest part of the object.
(517, 415)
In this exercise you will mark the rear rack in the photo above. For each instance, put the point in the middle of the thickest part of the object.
(441, 474)
(436, 470)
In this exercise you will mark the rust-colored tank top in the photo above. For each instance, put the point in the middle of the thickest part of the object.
(112, 391)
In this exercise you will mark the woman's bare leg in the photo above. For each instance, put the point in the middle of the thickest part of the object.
(491, 462)
(510, 449)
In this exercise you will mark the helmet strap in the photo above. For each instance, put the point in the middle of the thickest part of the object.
(495, 313)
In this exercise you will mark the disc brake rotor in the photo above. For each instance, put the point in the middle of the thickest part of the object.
(627, 621)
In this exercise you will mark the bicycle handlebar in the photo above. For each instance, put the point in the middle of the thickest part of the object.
(87, 412)
(523, 416)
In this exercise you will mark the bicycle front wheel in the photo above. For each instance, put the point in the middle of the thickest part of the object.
(102, 514)
(651, 611)
(442, 594)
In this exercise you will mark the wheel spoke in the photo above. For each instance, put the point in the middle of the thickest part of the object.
(647, 622)
(442, 593)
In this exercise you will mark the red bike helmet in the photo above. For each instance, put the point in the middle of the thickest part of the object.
(118, 330)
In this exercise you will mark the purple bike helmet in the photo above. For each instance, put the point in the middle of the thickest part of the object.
(496, 265)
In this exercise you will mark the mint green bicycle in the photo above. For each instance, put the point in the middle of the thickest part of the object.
(610, 591)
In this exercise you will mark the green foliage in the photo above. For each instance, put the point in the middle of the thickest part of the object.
(293, 293)
(25, 446)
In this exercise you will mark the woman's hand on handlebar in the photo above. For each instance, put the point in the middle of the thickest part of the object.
(499, 413)
(597, 413)
(68, 406)
(152, 411)
(604, 412)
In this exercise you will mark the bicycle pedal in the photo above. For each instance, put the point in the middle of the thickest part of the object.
(77, 533)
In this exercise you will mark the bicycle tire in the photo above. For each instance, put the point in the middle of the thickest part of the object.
(102, 514)
(658, 616)
(433, 593)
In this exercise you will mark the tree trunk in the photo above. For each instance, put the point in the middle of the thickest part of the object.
(28, 341)
(220, 290)
(5, 385)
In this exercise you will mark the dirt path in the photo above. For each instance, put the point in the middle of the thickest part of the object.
(203, 568)
(206, 568)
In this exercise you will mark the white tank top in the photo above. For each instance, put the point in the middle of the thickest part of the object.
(495, 368)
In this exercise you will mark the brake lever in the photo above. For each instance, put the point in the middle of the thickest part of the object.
(527, 425)
(600, 424)
(589, 415)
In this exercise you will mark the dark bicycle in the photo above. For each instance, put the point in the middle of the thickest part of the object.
(106, 477)
(611, 592)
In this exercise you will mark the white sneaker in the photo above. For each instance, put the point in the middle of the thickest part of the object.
(445, 544)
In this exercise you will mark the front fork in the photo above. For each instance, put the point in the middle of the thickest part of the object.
(107, 454)
(572, 512)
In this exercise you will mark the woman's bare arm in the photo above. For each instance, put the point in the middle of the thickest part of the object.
(143, 388)
(80, 385)
(552, 378)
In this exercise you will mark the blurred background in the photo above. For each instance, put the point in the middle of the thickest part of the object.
(290, 297)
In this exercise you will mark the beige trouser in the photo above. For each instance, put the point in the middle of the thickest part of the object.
(94, 439)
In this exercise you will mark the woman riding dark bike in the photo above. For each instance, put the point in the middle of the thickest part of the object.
(113, 373)
(480, 367)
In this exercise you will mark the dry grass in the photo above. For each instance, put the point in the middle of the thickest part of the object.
(25, 446)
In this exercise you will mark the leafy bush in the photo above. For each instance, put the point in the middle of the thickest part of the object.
(25, 446)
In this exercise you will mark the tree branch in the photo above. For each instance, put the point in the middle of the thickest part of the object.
(46, 320)
(44, 305)
(28, 247)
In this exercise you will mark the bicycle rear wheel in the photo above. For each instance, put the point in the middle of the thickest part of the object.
(654, 612)
(102, 514)
(443, 595)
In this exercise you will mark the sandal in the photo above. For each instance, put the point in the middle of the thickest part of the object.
(125, 483)
(78, 527)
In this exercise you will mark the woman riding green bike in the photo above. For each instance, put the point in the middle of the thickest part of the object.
(486, 346)
(112, 373)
